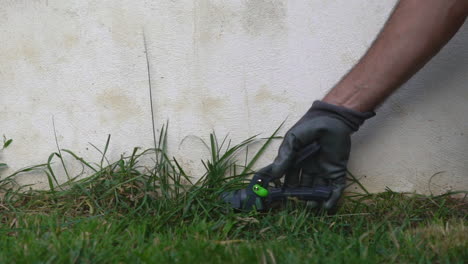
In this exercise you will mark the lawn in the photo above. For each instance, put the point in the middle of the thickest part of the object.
(126, 212)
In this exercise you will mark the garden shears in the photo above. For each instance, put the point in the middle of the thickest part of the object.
(260, 196)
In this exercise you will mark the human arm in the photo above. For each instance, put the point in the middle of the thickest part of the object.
(414, 33)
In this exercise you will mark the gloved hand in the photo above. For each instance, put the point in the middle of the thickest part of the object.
(331, 127)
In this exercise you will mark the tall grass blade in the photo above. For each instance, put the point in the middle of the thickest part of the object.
(59, 150)
(261, 150)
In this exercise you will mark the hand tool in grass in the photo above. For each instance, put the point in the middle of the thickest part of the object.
(260, 196)
(313, 157)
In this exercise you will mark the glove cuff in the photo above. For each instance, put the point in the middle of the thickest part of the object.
(354, 119)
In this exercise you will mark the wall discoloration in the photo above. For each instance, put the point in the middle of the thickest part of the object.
(261, 17)
(70, 40)
(121, 105)
(29, 52)
(211, 107)
(213, 19)
(265, 95)
(125, 25)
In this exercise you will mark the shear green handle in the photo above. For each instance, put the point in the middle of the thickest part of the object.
(259, 190)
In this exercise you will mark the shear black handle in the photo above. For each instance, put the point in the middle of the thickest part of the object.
(316, 193)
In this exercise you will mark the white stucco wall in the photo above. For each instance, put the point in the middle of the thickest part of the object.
(239, 67)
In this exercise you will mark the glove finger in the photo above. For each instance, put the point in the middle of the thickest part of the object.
(301, 135)
(339, 185)
(333, 158)
(334, 154)
(285, 158)
(310, 172)
(292, 178)
(316, 181)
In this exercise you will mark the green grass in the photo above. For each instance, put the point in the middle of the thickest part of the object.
(128, 212)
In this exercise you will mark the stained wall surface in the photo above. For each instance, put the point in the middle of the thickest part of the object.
(239, 67)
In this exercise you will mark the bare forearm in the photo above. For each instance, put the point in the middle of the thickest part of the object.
(414, 33)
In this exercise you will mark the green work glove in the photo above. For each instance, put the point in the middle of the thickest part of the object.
(329, 126)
